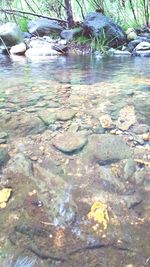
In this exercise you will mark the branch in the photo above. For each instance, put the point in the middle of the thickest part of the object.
(13, 11)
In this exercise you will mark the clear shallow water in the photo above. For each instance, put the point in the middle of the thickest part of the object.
(97, 86)
(75, 69)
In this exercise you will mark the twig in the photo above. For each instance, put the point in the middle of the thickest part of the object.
(13, 11)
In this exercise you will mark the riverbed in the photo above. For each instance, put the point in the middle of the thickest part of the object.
(75, 156)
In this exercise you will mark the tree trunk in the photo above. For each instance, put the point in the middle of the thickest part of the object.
(69, 13)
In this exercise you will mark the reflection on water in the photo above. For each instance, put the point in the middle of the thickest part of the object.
(75, 69)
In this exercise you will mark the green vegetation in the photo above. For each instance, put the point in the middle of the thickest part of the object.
(23, 23)
(127, 13)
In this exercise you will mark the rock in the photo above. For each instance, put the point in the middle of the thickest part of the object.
(106, 149)
(133, 200)
(21, 164)
(47, 116)
(65, 115)
(140, 128)
(126, 118)
(122, 53)
(142, 49)
(70, 142)
(109, 181)
(143, 46)
(142, 53)
(129, 169)
(23, 123)
(106, 121)
(68, 35)
(98, 130)
(56, 196)
(133, 44)
(131, 34)
(60, 48)
(146, 137)
(18, 49)
(4, 156)
(99, 25)
(41, 52)
(42, 26)
(142, 109)
(3, 135)
(140, 176)
(11, 34)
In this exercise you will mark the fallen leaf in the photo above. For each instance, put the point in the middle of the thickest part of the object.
(4, 197)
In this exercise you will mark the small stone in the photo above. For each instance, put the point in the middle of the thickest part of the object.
(3, 135)
(65, 115)
(146, 137)
(34, 158)
(18, 49)
(126, 118)
(106, 121)
(118, 132)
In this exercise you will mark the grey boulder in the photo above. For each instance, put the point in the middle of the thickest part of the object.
(100, 26)
(10, 34)
(42, 26)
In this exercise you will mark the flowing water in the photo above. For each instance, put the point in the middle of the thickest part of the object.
(45, 221)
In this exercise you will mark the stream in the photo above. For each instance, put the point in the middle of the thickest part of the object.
(74, 161)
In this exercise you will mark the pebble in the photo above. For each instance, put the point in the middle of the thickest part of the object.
(146, 137)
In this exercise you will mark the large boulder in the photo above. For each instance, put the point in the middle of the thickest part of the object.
(42, 26)
(98, 25)
(105, 149)
(10, 34)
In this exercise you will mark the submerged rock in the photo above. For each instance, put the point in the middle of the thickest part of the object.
(106, 121)
(133, 199)
(4, 156)
(47, 116)
(126, 118)
(106, 149)
(140, 128)
(56, 196)
(65, 115)
(70, 142)
(129, 168)
(21, 165)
